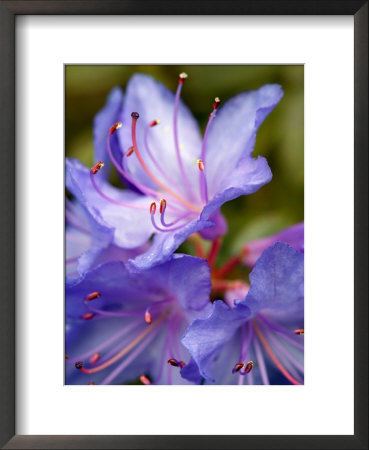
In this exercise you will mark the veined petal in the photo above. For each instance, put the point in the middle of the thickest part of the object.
(204, 338)
(248, 177)
(152, 100)
(132, 227)
(277, 282)
(233, 132)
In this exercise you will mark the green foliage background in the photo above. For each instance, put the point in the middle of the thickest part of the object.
(280, 138)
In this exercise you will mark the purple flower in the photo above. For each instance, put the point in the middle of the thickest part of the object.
(260, 337)
(89, 244)
(177, 181)
(123, 326)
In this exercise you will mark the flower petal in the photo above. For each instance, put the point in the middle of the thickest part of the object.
(249, 176)
(293, 236)
(152, 100)
(277, 282)
(132, 227)
(205, 337)
(233, 132)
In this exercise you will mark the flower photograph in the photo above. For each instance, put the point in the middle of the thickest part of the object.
(184, 225)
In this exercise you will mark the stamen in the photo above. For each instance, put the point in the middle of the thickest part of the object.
(138, 185)
(79, 365)
(144, 379)
(153, 208)
(201, 164)
(91, 383)
(151, 156)
(88, 316)
(216, 103)
(150, 174)
(93, 295)
(97, 167)
(249, 366)
(130, 151)
(182, 77)
(115, 127)
(163, 206)
(237, 367)
(274, 358)
(175, 363)
(162, 209)
(214, 250)
(106, 197)
(126, 349)
(167, 229)
(154, 122)
(94, 358)
(148, 317)
(299, 331)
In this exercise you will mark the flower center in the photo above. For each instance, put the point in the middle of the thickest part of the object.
(183, 202)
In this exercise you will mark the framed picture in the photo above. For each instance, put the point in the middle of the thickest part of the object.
(203, 343)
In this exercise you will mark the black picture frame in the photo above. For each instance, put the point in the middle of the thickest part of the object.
(8, 12)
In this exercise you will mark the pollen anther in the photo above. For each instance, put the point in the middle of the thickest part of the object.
(153, 208)
(79, 365)
(182, 77)
(237, 367)
(130, 151)
(154, 122)
(163, 205)
(201, 164)
(115, 127)
(249, 366)
(135, 115)
(144, 380)
(93, 295)
(216, 103)
(148, 317)
(299, 331)
(88, 316)
(97, 167)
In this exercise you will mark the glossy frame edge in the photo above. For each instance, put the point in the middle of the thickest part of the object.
(8, 12)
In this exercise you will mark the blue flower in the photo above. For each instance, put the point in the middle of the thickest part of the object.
(89, 243)
(124, 325)
(177, 181)
(258, 338)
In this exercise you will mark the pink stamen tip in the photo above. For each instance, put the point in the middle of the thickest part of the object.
(135, 115)
(93, 295)
(201, 164)
(154, 122)
(88, 316)
(115, 127)
(163, 205)
(153, 208)
(299, 331)
(97, 167)
(182, 77)
(182, 364)
(79, 365)
(94, 358)
(249, 366)
(237, 367)
(130, 151)
(144, 380)
(216, 103)
(148, 317)
(173, 362)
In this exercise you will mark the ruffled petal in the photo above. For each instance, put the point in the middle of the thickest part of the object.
(164, 244)
(277, 282)
(152, 100)
(248, 177)
(293, 236)
(204, 338)
(233, 132)
(132, 227)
